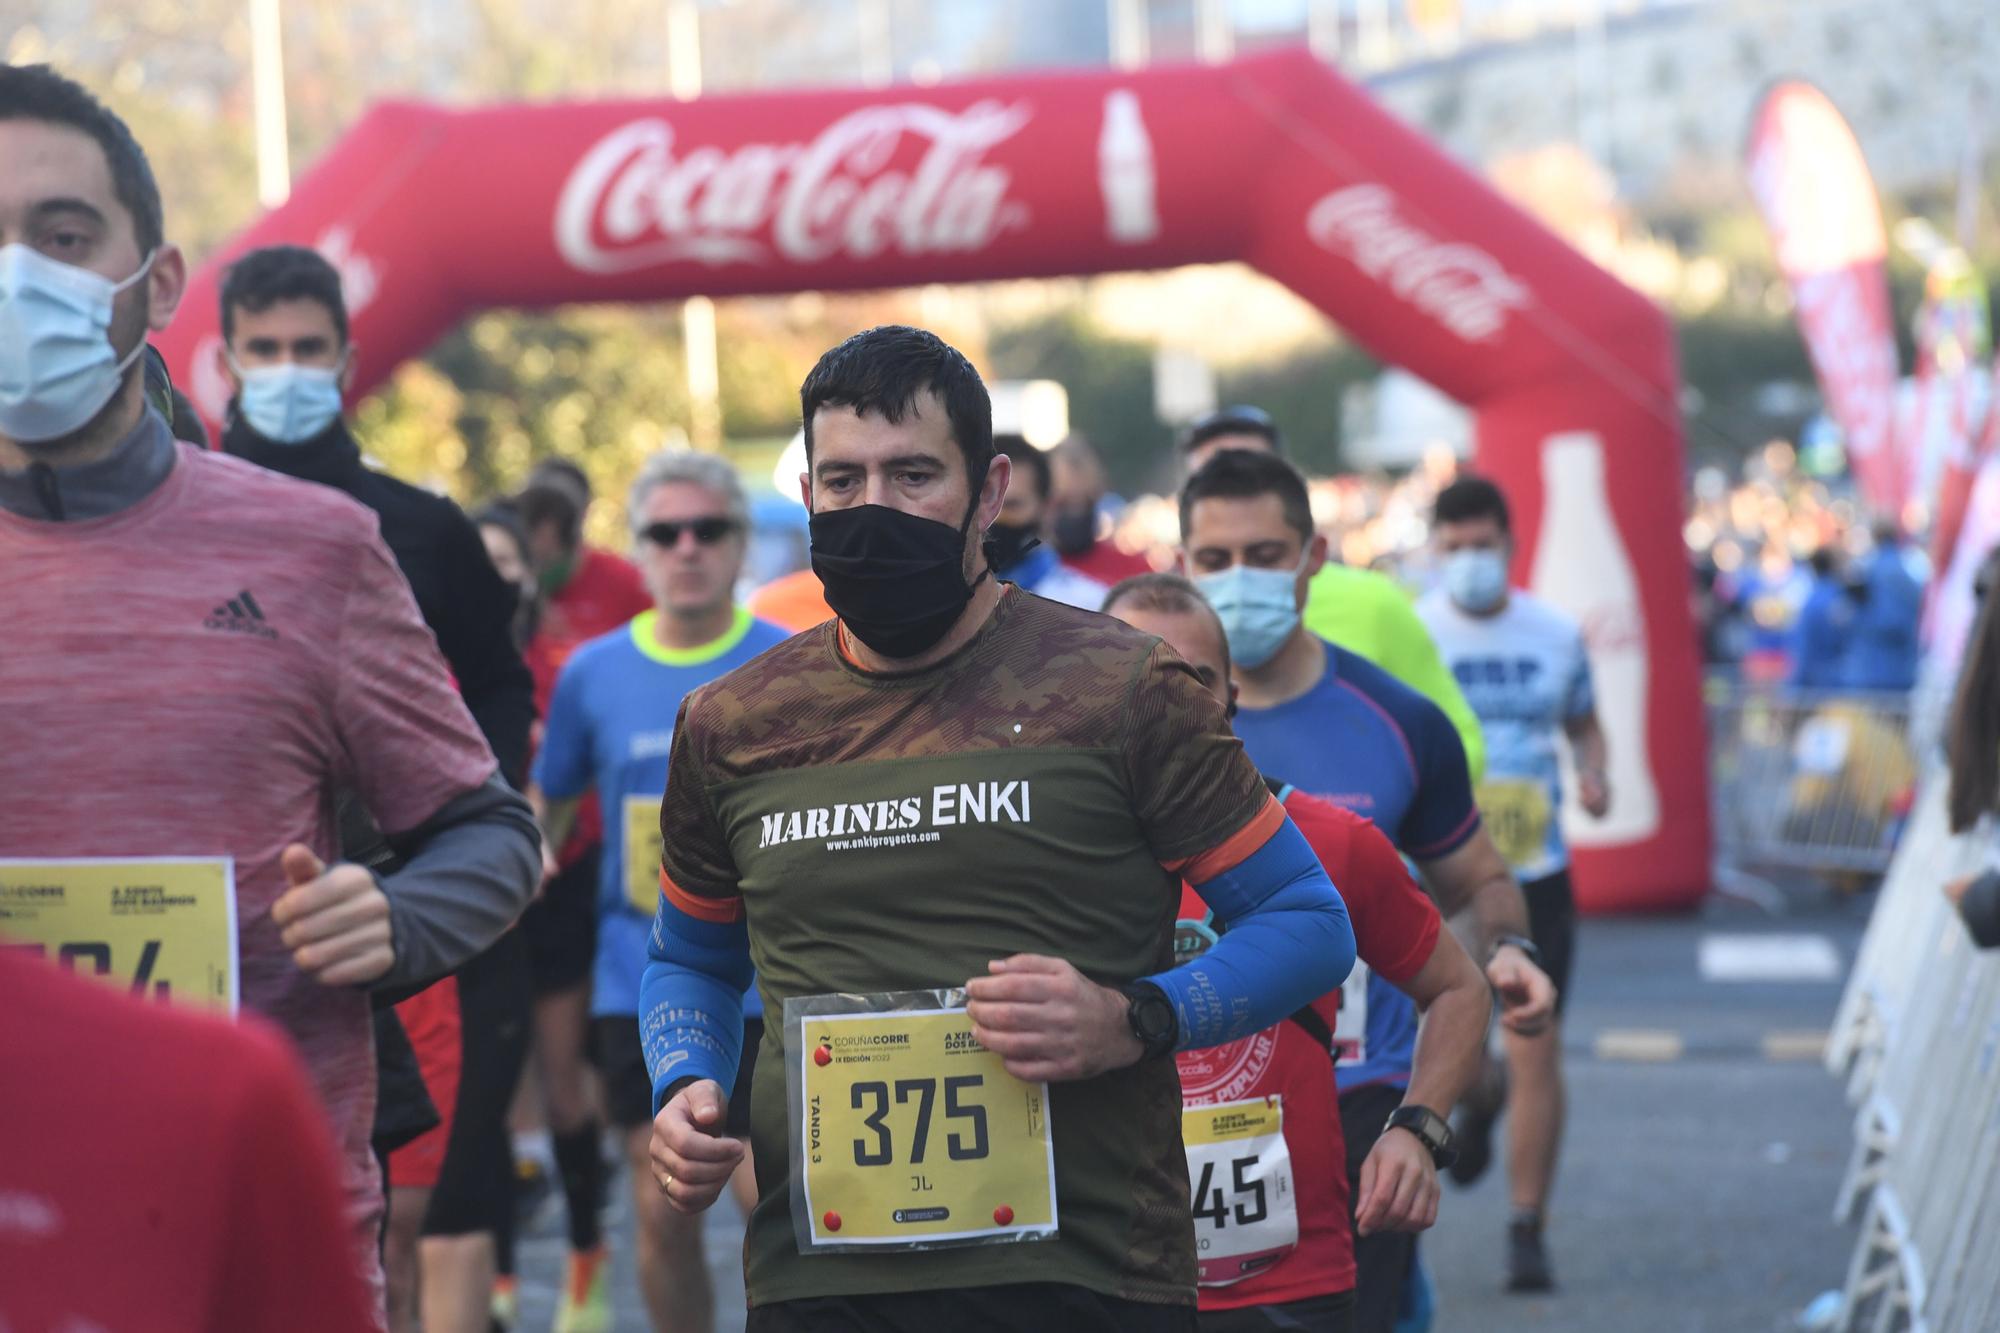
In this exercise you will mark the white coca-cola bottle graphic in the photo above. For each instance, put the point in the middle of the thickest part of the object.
(1125, 172)
(1581, 566)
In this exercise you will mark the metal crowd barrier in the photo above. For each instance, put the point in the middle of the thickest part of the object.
(1917, 1037)
(1809, 780)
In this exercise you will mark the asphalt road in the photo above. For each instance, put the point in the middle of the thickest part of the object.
(1704, 1150)
(1695, 1190)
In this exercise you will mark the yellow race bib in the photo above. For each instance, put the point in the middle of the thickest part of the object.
(643, 848)
(164, 929)
(1246, 1211)
(908, 1134)
(1517, 815)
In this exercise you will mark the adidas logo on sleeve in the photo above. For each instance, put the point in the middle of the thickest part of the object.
(240, 615)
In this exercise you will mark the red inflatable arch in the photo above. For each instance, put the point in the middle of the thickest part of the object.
(1275, 161)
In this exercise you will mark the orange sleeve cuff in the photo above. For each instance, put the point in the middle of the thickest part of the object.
(715, 911)
(1234, 850)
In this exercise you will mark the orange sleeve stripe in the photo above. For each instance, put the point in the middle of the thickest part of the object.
(715, 911)
(1234, 850)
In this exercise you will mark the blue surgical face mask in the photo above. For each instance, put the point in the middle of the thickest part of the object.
(1476, 579)
(57, 366)
(1259, 609)
(289, 404)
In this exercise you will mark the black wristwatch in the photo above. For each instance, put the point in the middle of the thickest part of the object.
(1524, 944)
(1152, 1018)
(1432, 1130)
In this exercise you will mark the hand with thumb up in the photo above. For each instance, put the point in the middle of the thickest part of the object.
(335, 922)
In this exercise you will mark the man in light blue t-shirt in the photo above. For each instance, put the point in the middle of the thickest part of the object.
(609, 729)
(1521, 663)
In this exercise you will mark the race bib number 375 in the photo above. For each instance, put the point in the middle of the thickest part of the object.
(908, 1134)
(161, 929)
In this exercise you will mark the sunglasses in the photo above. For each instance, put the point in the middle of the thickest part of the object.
(707, 531)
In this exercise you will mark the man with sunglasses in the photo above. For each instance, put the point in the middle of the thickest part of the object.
(608, 730)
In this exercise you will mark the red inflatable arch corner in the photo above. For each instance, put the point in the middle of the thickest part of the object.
(1276, 161)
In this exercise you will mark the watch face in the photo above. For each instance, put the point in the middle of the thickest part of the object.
(1427, 1125)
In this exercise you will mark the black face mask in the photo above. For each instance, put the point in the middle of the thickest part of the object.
(896, 580)
(1009, 545)
(1074, 530)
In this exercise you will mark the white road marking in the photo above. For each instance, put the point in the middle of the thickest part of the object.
(1769, 958)
(1794, 1045)
(1646, 1045)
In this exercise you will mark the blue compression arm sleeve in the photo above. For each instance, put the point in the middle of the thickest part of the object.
(691, 999)
(1285, 942)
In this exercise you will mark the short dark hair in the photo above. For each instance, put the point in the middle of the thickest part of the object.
(1244, 474)
(542, 503)
(1027, 458)
(884, 370)
(1241, 419)
(37, 92)
(1469, 499)
(274, 273)
(1168, 594)
(563, 472)
(506, 516)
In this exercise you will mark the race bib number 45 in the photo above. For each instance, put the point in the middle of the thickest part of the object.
(162, 929)
(1246, 1213)
(906, 1133)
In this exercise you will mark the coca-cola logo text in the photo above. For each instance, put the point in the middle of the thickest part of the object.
(1460, 286)
(1612, 628)
(638, 198)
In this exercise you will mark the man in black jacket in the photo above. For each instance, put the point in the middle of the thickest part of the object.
(287, 354)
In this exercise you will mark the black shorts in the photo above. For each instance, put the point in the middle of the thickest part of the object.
(1319, 1314)
(403, 1107)
(1552, 924)
(561, 927)
(1039, 1307)
(475, 1186)
(628, 1088)
(1381, 1259)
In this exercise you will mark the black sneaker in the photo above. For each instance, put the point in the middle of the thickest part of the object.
(1472, 1128)
(1527, 1261)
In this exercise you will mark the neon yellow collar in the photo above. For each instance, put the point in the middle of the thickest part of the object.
(644, 640)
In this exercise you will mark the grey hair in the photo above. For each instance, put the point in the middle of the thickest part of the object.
(685, 465)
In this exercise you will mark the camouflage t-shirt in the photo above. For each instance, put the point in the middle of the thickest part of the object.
(1042, 790)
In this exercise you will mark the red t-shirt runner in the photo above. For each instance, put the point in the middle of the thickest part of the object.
(161, 1170)
(604, 592)
(1267, 1163)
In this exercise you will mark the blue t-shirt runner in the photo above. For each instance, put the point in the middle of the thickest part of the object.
(610, 727)
(1527, 673)
(1362, 739)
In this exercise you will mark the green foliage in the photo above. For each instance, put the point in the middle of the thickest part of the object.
(1304, 393)
(602, 386)
(1110, 383)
